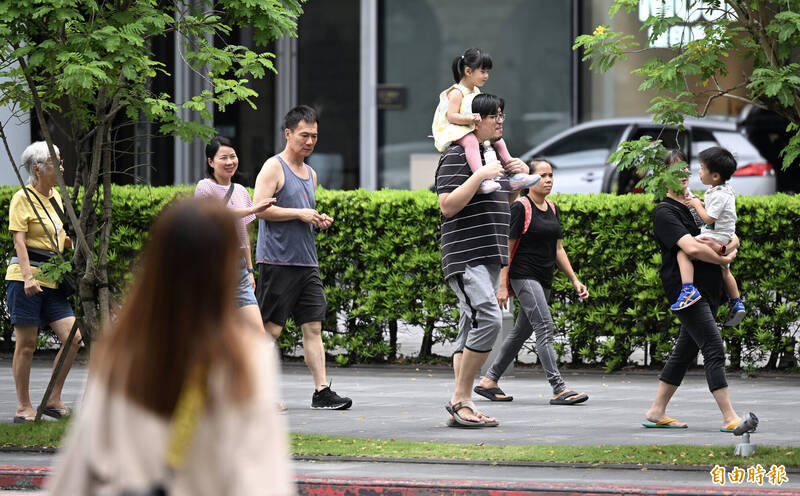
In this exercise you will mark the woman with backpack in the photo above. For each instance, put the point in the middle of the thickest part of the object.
(534, 248)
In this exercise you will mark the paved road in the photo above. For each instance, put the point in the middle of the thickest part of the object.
(402, 402)
(408, 403)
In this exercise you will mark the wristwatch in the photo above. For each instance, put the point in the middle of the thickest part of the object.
(251, 270)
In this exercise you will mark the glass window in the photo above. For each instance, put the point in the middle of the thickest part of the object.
(328, 59)
(736, 143)
(530, 45)
(589, 146)
(702, 139)
(254, 143)
(670, 138)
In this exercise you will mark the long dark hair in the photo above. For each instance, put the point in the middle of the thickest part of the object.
(179, 314)
(474, 58)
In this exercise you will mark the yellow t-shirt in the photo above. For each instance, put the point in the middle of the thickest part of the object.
(21, 217)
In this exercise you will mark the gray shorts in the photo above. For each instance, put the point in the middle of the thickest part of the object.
(481, 318)
(243, 294)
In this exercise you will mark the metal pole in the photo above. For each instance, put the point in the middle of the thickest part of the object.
(368, 118)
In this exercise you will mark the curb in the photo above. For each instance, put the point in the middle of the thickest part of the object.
(515, 463)
(525, 369)
(33, 478)
(20, 478)
(452, 461)
(366, 486)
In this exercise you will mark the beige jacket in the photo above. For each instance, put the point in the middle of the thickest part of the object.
(114, 444)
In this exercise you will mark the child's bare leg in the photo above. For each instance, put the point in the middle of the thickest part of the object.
(472, 151)
(686, 267)
(502, 150)
(473, 154)
(729, 283)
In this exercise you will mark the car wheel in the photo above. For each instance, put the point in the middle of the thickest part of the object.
(610, 180)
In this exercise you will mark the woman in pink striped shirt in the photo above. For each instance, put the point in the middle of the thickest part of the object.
(221, 166)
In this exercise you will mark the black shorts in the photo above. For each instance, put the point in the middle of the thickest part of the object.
(285, 291)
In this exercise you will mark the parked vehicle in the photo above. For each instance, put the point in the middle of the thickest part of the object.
(767, 132)
(580, 154)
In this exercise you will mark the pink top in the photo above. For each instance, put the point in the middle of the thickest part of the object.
(239, 199)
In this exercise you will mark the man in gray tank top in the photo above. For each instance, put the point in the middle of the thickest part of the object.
(289, 282)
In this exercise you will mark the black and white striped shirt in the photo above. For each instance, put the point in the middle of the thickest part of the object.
(478, 234)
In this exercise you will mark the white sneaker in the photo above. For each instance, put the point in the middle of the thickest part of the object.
(522, 181)
(488, 187)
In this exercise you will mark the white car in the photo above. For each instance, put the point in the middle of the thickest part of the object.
(580, 154)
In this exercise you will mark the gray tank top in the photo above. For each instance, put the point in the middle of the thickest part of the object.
(289, 242)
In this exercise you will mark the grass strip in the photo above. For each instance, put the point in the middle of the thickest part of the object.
(313, 444)
(49, 434)
(44, 433)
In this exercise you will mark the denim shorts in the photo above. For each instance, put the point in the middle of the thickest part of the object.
(38, 310)
(244, 291)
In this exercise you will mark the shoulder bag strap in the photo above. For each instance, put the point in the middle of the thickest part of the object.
(228, 194)
(58, 210)
(188, 410)
(44, 227)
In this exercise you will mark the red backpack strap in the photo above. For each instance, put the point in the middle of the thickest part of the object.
(552, 205)
(526, 203)
(526, 224)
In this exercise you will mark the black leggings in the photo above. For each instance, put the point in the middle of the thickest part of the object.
(699, 332)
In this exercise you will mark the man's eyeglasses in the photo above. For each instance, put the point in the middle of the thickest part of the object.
(498, 117)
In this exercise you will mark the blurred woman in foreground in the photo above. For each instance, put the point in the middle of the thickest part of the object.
(177, 355)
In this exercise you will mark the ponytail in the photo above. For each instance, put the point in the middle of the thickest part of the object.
(474, 58)
(458, 68)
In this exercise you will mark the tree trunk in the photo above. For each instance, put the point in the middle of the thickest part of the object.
(426, 348)
(392, 340)
(88, 220)
(788, 360)
(104, 294)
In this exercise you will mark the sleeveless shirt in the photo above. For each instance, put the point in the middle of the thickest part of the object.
(289, 242)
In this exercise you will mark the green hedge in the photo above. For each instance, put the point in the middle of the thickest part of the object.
(381, 266)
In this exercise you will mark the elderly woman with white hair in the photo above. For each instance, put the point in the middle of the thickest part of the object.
(35, 303)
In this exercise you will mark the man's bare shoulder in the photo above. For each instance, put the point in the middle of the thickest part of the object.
(272, 165)
(269, 179)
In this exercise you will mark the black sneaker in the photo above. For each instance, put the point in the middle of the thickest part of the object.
(327, 399)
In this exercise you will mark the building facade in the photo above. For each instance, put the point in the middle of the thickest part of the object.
(374, 70)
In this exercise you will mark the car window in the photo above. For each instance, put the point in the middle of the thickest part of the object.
(702, 139)
(736, 143)
(584, 148)
(669, 137)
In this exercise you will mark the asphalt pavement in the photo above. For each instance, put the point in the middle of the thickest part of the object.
(401, 402)
(407, 403)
